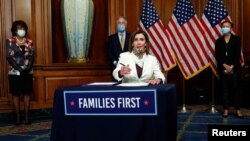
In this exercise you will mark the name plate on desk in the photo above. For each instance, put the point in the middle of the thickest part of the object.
(111, 102)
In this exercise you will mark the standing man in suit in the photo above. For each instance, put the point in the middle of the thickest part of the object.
(118, 42)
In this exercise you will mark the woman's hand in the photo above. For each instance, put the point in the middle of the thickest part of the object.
(125, 70)
(154, 81)
(228, 68)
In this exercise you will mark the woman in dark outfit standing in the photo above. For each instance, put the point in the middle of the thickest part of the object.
(20, 56)
(227, 54)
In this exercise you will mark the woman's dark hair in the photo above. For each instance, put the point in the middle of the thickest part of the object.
(132, 38)
(20, 23)
(227, 21)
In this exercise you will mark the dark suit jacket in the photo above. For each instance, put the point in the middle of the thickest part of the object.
(114, 47)
(233, 51)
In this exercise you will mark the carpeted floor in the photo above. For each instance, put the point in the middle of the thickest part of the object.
(192, 125)
(39, 131)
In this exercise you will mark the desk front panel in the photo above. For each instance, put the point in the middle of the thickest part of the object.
(161, 127)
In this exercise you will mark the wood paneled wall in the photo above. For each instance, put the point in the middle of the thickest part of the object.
(245, 22)
(51, 69)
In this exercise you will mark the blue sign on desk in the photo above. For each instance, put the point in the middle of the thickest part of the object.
(111, 102)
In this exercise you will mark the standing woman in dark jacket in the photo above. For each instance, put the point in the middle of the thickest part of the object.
(228, 53)
(20, 56)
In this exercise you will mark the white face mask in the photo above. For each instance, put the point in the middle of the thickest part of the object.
(21, 32)
(225, 30)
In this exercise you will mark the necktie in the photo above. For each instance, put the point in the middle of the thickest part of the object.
(122, 41)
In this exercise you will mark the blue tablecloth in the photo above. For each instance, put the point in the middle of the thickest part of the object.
(162, 127)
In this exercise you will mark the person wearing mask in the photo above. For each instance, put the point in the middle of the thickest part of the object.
(118, 42)
(227, 54)
(20, 57)
(137, 65)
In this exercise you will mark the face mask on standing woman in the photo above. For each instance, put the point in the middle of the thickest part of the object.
(21, 32)
(225, 30)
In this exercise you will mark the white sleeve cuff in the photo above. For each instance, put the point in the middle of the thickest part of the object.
(114, 62)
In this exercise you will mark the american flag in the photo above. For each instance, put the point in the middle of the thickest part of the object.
(187, 39)
(158, 37)
(214, 14)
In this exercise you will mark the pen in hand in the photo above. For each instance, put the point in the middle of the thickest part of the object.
(124, 69)
(122, 64)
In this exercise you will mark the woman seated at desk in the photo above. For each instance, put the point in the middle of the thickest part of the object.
(137, 65)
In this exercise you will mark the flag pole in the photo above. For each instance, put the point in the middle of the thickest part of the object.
(213, 110)
(166, 76)
(184, 109)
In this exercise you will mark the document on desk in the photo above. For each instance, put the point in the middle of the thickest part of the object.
(133, 84)
(102, 83)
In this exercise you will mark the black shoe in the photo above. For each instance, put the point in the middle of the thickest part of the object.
(225, 116)
(27, 122)
(17, 123)
(239, 116)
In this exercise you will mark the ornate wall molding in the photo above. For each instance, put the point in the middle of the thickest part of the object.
(4, 96)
